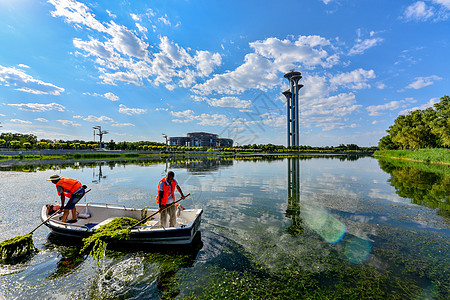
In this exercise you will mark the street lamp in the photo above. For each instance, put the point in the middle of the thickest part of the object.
(165, 136)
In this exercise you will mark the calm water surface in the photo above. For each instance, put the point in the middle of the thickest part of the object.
(317, 227)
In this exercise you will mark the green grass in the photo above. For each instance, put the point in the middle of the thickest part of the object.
(421, 155)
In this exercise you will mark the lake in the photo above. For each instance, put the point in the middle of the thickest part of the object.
(272, 227)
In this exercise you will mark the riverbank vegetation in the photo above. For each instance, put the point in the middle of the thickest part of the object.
(439, 156)
(428, 128)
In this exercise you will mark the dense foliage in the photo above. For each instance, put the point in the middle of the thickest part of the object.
(428, 128)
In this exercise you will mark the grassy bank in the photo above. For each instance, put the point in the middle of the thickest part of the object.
(439, 156)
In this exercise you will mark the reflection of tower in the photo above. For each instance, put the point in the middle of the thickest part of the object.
(293, 207)
(100, 174)
(292, 98)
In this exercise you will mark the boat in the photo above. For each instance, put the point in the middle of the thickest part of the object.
(93, 215)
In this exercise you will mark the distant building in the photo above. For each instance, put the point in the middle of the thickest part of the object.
(201, 139)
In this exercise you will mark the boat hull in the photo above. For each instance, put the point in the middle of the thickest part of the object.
(188, 224)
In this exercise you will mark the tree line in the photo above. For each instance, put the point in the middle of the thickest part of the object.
(428, 128)
(30, 141)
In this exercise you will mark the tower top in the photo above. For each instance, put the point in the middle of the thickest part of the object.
(293, 75)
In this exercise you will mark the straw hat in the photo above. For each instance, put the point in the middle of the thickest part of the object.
(54, 177)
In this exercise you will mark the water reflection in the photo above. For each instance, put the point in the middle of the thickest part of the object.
(293, 207)
(426, 185)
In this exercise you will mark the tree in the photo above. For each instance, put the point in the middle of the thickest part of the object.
(440, 125)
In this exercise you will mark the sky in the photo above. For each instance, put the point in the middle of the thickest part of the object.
(144, 68)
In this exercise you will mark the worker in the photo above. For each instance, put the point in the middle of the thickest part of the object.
(166, 196)
(73, 190)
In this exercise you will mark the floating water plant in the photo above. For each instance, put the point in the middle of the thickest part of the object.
(116, 230)
(17, 248)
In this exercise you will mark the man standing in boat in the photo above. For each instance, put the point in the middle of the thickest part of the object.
(73, 190)
(166, 196)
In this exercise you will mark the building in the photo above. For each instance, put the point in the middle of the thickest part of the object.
(201, 139)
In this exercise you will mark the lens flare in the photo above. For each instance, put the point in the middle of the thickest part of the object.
(357, 250)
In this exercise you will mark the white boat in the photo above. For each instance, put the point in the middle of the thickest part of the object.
(93, 215)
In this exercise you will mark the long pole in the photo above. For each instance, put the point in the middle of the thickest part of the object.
(162, 209)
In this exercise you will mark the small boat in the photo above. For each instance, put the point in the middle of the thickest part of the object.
(93, 215)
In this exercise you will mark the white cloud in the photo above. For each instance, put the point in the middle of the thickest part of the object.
(356, 79)
(110, 96)
(445, 3)
(39, 107)
(111, 14)
(363, 45)
(101, 119)
(42, 120)
(274, 119)
(26, 83)
(376, 110)
(164, 20)
(229, 102)
(131, 111)
(421, 82)
(422, 107)
(419, 11)
(19, 121)
(271, 56)
(68, 123)
(204, 119)
(122, 125)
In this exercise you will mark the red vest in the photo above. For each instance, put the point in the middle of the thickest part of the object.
(69, 186)
(167, 190)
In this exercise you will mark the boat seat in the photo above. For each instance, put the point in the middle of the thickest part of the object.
(104, 222)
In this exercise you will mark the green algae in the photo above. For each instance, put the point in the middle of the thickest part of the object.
(17, 248)
(115, 231)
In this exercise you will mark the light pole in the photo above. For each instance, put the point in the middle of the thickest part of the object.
(100, 134)
(165, 136)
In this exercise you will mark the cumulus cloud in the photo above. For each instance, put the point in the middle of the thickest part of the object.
(39, 107)
(121, 56)
(356, 79)
(26, 83)
(421, 82)
(110, 96)
(203, 119)
(261, 69)
(229, 102)
(131, 111)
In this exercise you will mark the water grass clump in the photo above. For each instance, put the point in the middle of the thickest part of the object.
(17, 248)
(116, 230)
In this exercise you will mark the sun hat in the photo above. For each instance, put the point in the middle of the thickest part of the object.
(54, 177)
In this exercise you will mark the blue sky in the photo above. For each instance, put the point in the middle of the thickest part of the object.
(142, 68)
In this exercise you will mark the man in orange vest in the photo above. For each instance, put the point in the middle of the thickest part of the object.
(166, 196)
(71, 189)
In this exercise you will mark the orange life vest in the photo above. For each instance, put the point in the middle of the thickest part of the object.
(69, 185)
(167, 189)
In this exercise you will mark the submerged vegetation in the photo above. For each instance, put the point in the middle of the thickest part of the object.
(17, 248)
(114, 231)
